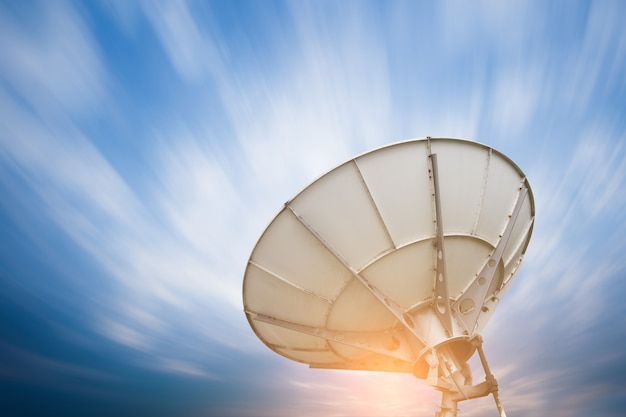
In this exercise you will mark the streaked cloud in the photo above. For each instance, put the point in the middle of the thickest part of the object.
(191, 51)
(54, 64)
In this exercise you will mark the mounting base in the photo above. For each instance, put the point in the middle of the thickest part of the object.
(456, 384)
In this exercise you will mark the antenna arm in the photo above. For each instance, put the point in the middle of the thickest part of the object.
(442, 298)
(489, 376)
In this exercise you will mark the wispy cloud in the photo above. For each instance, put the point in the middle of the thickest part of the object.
(167, 266)
(55, 64)
(488, 20)
(190, 50)
(595, 67)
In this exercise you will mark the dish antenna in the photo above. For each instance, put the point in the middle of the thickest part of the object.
(394, 261)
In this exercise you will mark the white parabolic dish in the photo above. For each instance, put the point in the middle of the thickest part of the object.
(403, 250)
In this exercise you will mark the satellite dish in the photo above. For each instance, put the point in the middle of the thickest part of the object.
(394, 261)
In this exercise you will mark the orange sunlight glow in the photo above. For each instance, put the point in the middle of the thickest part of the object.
(363, 393)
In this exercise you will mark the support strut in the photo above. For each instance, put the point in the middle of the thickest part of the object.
(491, 379)
(455, 386)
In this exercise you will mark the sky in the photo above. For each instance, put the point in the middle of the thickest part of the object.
(146, 145)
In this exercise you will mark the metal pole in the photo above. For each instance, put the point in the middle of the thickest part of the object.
(490, 378)
(448, 405)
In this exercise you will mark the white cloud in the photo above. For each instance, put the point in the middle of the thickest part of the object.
(185, 368)
(62, 164)
(505, 27)
(197, 196)
(169, 272)
(594, 68)
(172, 275)
(57, 64)
(598, 169)
(515, 101)
(126, 13)
(330, 101)
(126, 335)
(191, 51)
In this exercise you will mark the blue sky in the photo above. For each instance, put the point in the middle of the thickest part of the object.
(144, 147)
